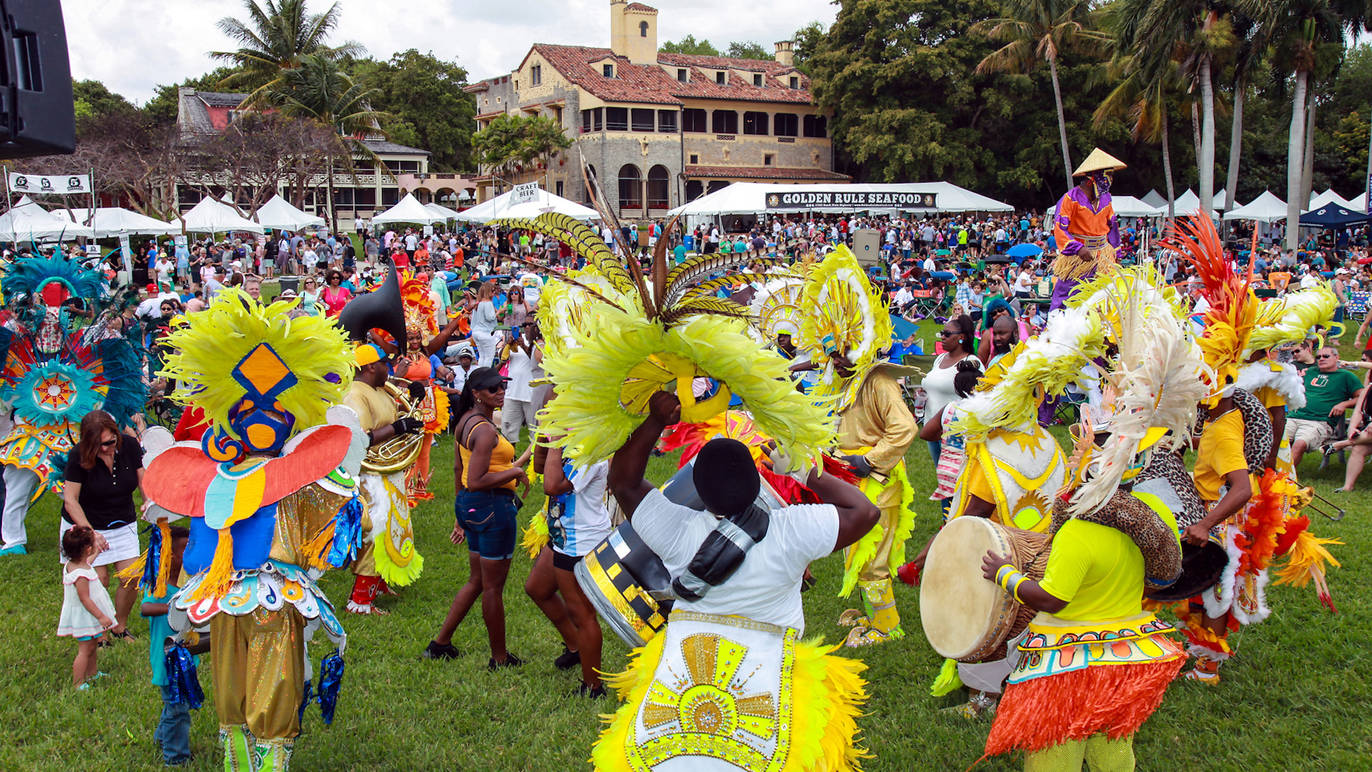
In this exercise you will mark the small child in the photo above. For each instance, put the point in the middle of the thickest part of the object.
(87, 611)
(173, 732)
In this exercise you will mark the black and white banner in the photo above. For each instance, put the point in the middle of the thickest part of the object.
(49, 184)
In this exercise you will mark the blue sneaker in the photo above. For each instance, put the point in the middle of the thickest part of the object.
(17, 549)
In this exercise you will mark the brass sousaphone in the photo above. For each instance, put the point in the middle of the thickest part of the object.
(383, 309)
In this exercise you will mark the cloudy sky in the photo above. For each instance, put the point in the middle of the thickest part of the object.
(134, 45)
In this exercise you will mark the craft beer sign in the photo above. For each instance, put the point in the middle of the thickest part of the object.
(50, 184)
(838, 198)
(524, 193)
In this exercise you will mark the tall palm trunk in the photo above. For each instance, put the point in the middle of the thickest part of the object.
(1062, 120)
(1308, 159)
(1235, 144)
(1167, 172)
(1206, 159)
(1295, 157)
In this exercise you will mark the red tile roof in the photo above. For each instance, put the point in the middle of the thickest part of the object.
(653, 85)
(639, 7)
(765, 173)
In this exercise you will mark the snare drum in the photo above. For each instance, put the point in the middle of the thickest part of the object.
(965, 616)
(621, 576)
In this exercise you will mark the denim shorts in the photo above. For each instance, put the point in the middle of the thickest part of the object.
(488, 519)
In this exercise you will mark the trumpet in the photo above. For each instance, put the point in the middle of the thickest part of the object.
(398, 453)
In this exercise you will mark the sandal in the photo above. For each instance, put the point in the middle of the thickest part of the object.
(124, 635)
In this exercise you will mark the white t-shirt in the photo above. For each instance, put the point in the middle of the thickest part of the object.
(580, 520)
(1024, 282)
(521, 373)
(766, 586)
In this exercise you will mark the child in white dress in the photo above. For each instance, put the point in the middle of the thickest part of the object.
(87, 611)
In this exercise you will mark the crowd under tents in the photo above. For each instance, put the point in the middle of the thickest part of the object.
(504, 205)
(280, 215)
(214, 216)
(743, 198)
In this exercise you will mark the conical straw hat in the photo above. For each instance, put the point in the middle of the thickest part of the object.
(1098, 160)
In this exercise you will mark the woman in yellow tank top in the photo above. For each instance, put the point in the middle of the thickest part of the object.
(486, 509)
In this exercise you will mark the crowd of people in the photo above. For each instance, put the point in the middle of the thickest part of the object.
(472, 361)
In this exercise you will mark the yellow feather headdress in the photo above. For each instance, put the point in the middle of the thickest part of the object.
(211, 343)
(1288, 319)
(1230, 319)
(845, 315)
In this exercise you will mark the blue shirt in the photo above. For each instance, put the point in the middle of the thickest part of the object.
(159, 630)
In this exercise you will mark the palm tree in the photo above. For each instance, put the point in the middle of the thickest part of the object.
(275, 38)
(1036, 30)
(1144, 102)
(318, 89)
(1252, 44)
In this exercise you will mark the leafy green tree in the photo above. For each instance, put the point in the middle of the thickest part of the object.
(689, 45)
(511, 141)
(427, 107)
(94, 103)
(275, 38)
(1034, 30)
(748, 50)
(806, 40)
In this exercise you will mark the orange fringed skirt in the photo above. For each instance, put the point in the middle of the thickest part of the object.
(1115, 699)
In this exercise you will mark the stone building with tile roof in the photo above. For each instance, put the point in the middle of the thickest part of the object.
(660, 129)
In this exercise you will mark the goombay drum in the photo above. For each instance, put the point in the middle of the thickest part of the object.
(965, 616)
(628, 585)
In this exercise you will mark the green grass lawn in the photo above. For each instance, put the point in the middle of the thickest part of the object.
(1294, 698)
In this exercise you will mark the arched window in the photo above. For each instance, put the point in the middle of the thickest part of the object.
(630, 187)
(659, 182)
(643, 29)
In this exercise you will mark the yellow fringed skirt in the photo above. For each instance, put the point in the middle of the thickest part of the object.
(731, 693)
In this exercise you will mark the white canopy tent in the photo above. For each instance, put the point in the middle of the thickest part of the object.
(408, 210)
(1359, 202)
(112, 221)
(281, 215)
(27, 221)
(503, 206)
(1128, 206)
(443, 211)
(1155, 199)
(752, 197)
(1187, 204)
(214, 216)
(1328, 197)
(1219, 199)
(1266, 208)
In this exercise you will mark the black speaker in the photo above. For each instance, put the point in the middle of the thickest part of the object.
(37, 110)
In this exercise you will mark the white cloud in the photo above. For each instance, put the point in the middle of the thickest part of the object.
(132, 46)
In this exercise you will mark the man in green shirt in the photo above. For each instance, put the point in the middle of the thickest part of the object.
(1329, 392)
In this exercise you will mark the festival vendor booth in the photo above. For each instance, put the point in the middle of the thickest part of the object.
(115, 221)
(28, 222)
(408, 210)
(527, 203)
(280, 215)
(754, 198)
(214, 216)
(443, 211)
(1333, 216)
(1266, 208)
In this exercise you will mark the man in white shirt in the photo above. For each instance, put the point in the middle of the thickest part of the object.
(1311, 278)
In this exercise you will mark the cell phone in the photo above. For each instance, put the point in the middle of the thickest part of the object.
(514, 333)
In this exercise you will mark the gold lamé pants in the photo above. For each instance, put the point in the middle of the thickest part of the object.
(259, 671)
(888, 501)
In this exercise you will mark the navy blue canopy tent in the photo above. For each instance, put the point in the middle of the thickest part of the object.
(1333, 216)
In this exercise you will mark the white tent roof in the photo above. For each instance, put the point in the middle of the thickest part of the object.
(1265, 208)
(1359, 202)
(1217, 201)
(280, 214)
(1187, 204)
(1154, 199)
(1329, 197)
(443, 211)
(1128, 206)
(214, 216)
(118, 221)
(408, 210)
(544, 201)
(28, 221)
(751, 197)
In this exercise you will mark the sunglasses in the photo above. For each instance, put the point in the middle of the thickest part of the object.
(947, 333)
(499, 387)
(108, 443)
(1325, 356)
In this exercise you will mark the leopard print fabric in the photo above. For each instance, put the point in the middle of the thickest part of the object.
(1155, 539)
(1257, 428)
(1170, 468)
